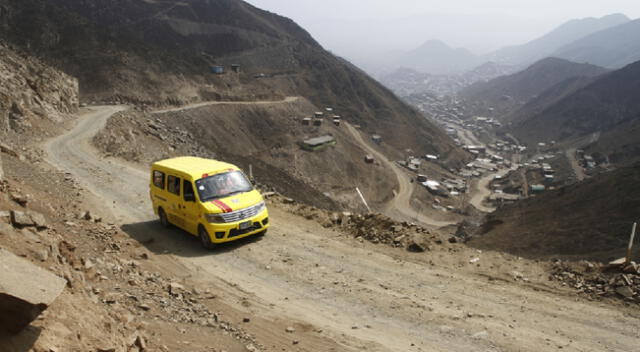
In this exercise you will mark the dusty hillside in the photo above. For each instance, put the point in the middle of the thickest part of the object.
(589, 220)
(161, 52)
(507, 93)
(606, 108)
(264, 135)
(547, 98)
(33, 96)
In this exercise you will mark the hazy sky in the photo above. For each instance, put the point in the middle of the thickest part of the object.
(355, 28)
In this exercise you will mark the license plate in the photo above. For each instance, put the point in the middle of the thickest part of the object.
(245, 225)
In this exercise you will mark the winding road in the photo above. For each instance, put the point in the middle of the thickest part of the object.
(346, 295)
(400, 206)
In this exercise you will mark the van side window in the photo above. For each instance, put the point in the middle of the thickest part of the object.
(158, 179)
(173, 185)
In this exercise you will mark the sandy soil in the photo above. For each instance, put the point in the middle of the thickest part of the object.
(340, 294)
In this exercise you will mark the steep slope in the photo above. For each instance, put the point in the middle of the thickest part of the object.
(161, 52)
(614, 47)
(546, 45)
(508, 92)
(609, 106)
(436, 57)
(591, 219)
(548, 98)
(33, 96)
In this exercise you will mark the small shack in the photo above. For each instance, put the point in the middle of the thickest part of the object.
(235, 68)
(502, 198)
(217, 69)
(369, 159)
(319, 114)
(318, 143)
(538, 188)
(377, 139)
(317, 122)
(336, 120)
(306, 121)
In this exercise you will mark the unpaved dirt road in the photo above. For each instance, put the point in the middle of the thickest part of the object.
(400, 206)
(208, 103)
(343, 295)
(577, 169)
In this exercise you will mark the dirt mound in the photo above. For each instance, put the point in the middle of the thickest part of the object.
(589, 220)
(598, 281)
(372, 227)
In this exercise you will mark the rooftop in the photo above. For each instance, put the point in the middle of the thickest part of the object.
(195, 166)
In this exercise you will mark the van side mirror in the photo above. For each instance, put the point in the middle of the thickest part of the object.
(189, 197)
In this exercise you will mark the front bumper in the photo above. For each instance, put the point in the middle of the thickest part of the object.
(226, 232)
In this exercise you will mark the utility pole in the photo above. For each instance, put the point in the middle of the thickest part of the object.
(633, 235)
(363, 200)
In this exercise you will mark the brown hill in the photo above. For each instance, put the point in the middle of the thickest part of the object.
(161, 51)
(606, 112)
(265, 136)
(589, 220)
(507, 93)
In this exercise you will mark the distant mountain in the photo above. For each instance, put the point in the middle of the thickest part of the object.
(549, 43)
(506, 93)
(605, 112)
(436, 57)
(613, 47)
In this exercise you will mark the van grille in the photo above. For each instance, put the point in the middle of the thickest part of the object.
(242, 214)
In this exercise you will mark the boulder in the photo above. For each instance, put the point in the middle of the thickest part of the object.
(25, 291)
(19, 198)
(21, 219)
(5, 216)
(39, 221)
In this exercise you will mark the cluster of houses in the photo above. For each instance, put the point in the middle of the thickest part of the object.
(320, 116)
(445, 187)
(586, 161)
(321, 142)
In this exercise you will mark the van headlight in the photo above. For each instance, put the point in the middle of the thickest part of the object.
(214, 218)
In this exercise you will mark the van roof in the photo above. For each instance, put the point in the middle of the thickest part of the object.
(195, 166)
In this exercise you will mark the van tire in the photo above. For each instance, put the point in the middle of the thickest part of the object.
(204, 238)
(164, 221)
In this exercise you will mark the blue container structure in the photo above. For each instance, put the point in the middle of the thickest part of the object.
(217, 69)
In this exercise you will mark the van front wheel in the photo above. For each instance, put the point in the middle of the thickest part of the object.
(204, 238)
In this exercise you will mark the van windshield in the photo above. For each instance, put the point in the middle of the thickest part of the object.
(222, 185)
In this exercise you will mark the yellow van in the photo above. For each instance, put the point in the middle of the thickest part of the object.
(210, 199)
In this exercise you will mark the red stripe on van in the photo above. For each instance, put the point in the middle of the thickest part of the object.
(225, 208)
(205, 175)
